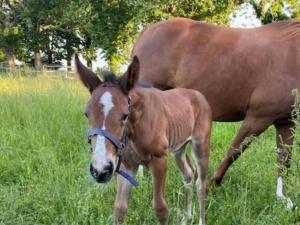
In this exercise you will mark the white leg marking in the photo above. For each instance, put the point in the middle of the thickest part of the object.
(141, 171)
(289, 204)
(280, 195)
(279, 191)
(199, 189)
(189, 188)
(199, 186)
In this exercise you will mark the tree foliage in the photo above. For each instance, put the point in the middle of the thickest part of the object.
(268, 11)
(117, 22)
(10, 30)
(49, 31)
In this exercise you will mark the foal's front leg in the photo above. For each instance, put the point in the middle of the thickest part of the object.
(123, 192)
(158, 168)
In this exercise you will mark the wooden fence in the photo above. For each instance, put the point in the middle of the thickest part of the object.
(57, 70)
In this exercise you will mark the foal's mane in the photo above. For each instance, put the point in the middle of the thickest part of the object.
(110, 77)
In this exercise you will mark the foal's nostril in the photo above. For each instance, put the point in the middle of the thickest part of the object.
(109, 168)
(93, 170)
(104, 175)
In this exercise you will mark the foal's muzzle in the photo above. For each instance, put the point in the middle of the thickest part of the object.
(102, 176)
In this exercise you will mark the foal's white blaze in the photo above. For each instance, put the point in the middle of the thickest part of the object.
(100, 155)
(280, 195)
(106, 101)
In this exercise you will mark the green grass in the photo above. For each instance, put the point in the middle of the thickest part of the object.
(44, 159)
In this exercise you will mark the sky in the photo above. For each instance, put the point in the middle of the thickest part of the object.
(244, 17)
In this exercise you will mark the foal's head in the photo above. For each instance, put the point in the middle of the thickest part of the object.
(107, 111)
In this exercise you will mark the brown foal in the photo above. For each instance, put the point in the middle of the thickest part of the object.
(154, 123)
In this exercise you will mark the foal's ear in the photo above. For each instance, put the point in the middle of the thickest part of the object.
(87, 77)
(129, 79)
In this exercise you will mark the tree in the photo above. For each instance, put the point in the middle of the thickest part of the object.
(268, 11)
(53, 30)
(51, 25)
(10, 30)
(112, 28)
(115, 23)
(35, 17)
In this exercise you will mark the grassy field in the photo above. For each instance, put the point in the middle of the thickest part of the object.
(44, 160)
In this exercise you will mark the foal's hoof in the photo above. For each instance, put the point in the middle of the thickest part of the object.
(290, 206)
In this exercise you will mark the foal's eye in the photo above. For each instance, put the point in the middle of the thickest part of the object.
(125, 116)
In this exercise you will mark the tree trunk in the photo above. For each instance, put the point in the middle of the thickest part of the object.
(89, 63)
(10, 57)
(49, 56)
(88, 43)
(69, 63)
(37, 53)
(69, 53)
(38, 60)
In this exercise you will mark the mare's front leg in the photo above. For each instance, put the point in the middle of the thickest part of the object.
(252, 126)
(158, 168)
(123, 192)
(284, 140)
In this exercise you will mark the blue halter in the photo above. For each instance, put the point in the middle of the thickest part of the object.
(119, 147)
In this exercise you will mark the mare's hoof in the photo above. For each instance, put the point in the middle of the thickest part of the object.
(216, 180)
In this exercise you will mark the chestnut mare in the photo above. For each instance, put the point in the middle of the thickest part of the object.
(245, 74)
(150, 122)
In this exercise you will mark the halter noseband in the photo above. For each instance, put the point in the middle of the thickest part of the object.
(119, 145)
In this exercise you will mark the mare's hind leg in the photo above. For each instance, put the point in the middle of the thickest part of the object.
(284, 140)
(123, 192)
(252, 126)
(185, 166)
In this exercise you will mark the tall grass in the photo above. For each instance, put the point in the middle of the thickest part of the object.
(44, 176)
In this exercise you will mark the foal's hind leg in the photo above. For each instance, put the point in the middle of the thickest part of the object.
(184, 164)
(252, 126)
(123, 192)
(284, 140)
(201, 149)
